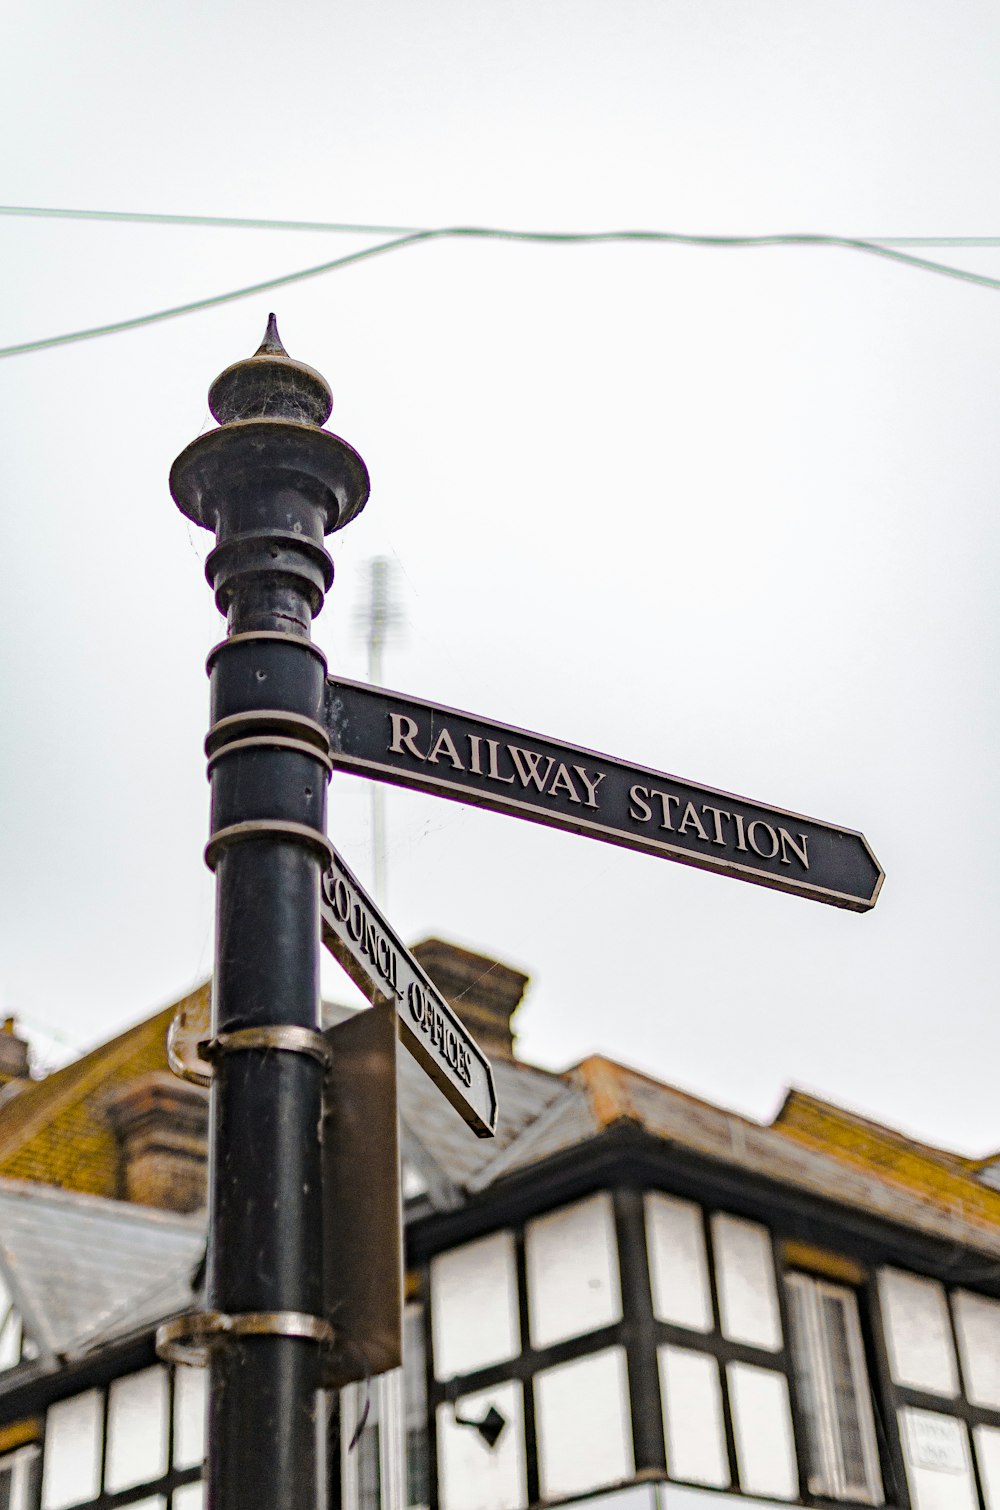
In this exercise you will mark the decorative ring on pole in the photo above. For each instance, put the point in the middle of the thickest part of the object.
(285, 1037)
(266, 828)
(188, 1339)
(240, 725)
(270, 742)
(251, 635)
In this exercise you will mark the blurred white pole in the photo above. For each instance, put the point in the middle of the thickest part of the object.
(379, 616)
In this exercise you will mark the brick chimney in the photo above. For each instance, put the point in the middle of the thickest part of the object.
(161, 1124)
(483, 992)
(13, 1054)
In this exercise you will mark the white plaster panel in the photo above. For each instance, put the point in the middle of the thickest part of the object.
(137, 1429)
(190, 1405)
(474, 1306)
(583, 1424)
(678, 1268)
(691, 1394)
(987, 1443)
(474, 1476)
(571, 1261)
(977, 1324)
(631, 1497)
(10, 1332)
(918, 1332)
(191, 1497)
(744, 1268)
(679, 1497)
(938, 1461)
(71, 1467)
(762, 1426)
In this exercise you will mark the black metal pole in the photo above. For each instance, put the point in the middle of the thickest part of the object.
(270, 482)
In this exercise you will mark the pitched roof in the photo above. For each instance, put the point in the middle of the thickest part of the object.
(55, 1131)
(83, 1270)
(812, 1147)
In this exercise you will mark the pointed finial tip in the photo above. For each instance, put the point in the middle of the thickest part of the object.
(271, 345)
(271, 384)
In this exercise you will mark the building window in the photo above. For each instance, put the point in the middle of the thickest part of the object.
(115, 1442)
(17, 1479)
(572, 1270)
(474, 1306)
(678, 1266)
(693, 1427)
(138, 1407)
(529, 1380)
(721, 1350)
(748, 1297)
(762, 1427)
(72, 1461)
(834, 1395)
(583, 1424)
(418, 1488)
(475, 1473)
(383, 1457)
(947, 1397)
(918, 1333)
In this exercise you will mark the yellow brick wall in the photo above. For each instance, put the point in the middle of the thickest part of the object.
(74, 1147)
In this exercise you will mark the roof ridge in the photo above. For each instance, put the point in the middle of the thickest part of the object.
(795, 1097)
(601, 1079)
(59, 1195)
(675, 1091)
(512, 1151)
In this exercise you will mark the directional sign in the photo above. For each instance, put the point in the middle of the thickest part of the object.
(379, 963)
(392, 737)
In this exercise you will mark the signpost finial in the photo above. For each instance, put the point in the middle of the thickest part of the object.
(271, 344)
(271, 385)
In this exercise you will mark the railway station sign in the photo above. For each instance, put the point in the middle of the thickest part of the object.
(393, 737)
(380, 964)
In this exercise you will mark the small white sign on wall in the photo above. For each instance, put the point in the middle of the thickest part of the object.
(935, 1442)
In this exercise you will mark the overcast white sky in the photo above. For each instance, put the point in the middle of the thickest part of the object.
(731, 514)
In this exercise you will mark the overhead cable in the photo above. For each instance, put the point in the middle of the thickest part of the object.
(345, 227)
(552, 238)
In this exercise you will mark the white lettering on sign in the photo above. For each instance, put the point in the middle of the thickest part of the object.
(936, 1441)
(424, 1012)
(466, 757)
(648, 805)
(506, 764)
(530, 770)
(363, 930)
(438, 1031)
(354, 929)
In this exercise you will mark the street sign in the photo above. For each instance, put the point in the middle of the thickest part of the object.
(380, 964)
(393, 737)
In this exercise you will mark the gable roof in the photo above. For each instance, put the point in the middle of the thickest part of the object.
(811, 1147)
(83, 1270)
(55, 1131)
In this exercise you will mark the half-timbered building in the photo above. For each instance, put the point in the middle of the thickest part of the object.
(629, 1296)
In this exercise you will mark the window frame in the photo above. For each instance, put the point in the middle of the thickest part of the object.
(638, 1332)
(163, 1486)
(828, 1480)
(958, 1407)
(854, 1258)
(28, 1459)
(530, 1359)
